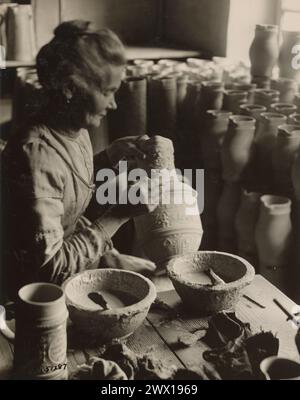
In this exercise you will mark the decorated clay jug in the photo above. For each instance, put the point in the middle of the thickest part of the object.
(273, 237)
(21, 41)
(237, 146)
(264, 50)
(252, 110)
(174, 227)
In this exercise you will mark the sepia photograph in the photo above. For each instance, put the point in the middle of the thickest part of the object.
(149, 193)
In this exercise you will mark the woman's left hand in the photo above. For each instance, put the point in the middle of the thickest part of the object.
(126, 148)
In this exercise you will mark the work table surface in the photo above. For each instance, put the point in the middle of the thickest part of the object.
(160, 332)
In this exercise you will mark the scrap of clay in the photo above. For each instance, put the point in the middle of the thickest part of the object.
(189, 339)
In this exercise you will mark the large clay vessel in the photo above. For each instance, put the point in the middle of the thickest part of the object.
(237, 147)
(216, 126)
(174, 227)
(265, 139)
(284, 151)
(288, 89)
(226, 212)
(245, 223)
(273, 238)
(264, 50)
(285, 62)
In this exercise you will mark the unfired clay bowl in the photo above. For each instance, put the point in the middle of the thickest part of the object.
(186, 273)
(136, 292)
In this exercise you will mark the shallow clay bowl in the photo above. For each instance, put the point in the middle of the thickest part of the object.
(186, 274)
(133, 293)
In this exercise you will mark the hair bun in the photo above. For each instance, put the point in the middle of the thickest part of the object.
(71, 29)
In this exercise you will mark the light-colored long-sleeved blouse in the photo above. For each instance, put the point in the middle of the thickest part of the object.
(47, 184)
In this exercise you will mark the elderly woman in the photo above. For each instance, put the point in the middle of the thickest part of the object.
(48, 164)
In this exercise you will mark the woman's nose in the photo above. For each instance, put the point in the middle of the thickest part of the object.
(112, 104)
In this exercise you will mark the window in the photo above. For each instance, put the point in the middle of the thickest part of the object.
(290, 15)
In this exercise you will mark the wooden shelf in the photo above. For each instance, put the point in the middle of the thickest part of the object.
(150, 53)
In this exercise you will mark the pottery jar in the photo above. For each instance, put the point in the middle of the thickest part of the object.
(288, 89)
(264, 50)
(237, 146)
(174, 227)
(273, 236)
(252, 110)
(247, 87)
(40, 338)
(264, 143)
(277, 368)
(297, 102)
(266, 97)
(21, 40)
(226, 211)
(233, 100)
(285, 62)
(162, 106)
(245, 223)
(216, 126)
(283, 108)
(211, 98)
(285, 149)
(213, 185)
(296, 175)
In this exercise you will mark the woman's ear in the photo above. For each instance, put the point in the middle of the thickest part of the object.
(67, 92)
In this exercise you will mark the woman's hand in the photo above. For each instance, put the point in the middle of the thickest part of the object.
(126, 148)
(113, 259)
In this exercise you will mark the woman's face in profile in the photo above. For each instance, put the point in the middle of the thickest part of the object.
(101, 100)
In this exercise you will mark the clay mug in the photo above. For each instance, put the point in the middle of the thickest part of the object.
(277, 368)
(40, 341)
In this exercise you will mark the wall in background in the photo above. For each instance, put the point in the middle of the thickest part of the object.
(198, 24)
(221, 27)
(243, 16)
(136, 21)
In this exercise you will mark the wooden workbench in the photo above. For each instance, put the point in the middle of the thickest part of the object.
(161, 335)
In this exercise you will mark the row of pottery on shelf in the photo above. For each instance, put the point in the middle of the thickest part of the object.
(266, 50)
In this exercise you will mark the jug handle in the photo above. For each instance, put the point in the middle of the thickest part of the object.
(4, 329)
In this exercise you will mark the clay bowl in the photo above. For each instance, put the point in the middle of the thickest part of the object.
(128, 295)
(186, 274)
